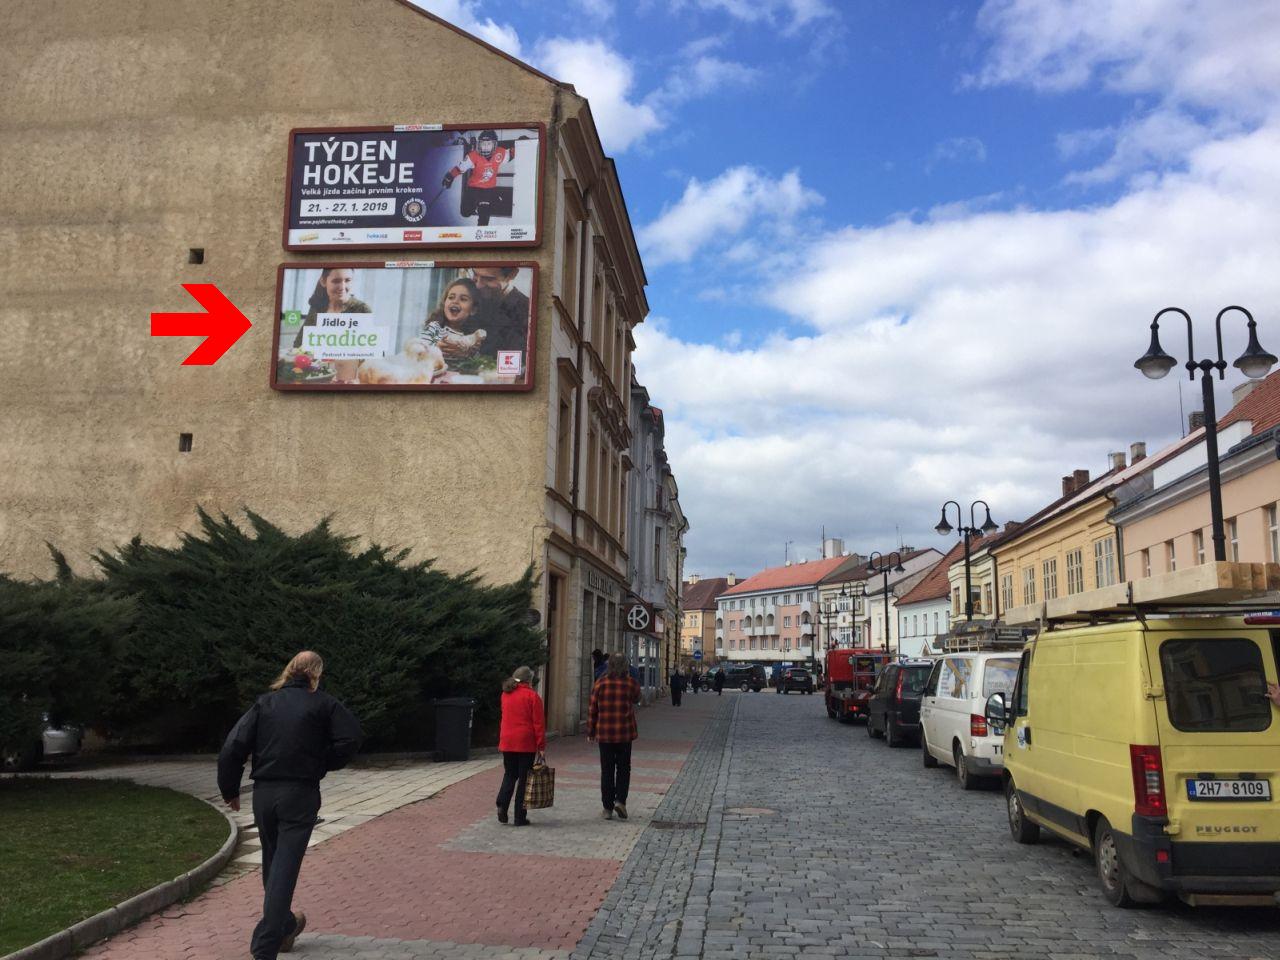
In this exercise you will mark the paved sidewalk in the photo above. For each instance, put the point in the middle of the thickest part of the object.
(441, 877)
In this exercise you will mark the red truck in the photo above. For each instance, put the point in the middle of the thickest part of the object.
(850, 675)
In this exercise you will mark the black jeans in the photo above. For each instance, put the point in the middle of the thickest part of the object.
(676, 696)
(515, 776)
(615, 773)
(285, 813)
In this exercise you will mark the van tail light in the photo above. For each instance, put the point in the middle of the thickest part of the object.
(977, 725)
(1148, 781)
(897, 691)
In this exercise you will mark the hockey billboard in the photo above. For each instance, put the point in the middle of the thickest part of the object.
(414, 186)
(404, 325)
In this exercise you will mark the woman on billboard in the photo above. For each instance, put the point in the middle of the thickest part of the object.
(332, 295)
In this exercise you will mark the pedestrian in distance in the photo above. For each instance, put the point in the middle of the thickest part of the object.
(599, 664)
(695, 681)
(718, 683)
(611, 723)
(295, 734)
(677, 687)
(522, 736)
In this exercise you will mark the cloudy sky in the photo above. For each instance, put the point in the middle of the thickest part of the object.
(900, 253)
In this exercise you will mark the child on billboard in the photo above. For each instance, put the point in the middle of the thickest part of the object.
(481, 195)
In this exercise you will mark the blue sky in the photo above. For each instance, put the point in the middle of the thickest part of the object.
(901, 252)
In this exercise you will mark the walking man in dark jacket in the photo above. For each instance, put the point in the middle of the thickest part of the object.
(718, 683)
(295, 735)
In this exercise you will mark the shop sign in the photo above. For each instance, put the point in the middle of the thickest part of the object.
(414, 185)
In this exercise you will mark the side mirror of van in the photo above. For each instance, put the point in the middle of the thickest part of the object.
(997, 712)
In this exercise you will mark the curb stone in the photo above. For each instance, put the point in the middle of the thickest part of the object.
(114, 919)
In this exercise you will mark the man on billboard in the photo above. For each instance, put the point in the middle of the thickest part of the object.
(481, 195)
(503, 310)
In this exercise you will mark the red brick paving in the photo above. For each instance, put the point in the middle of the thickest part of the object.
(393, 878)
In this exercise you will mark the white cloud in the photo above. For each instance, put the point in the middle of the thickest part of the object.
(958, 150)
(1185, 57)
(596, 9)
(792, 14)
(701, 76)
(981, 355)
(717, 211)
(466, 14)
(605, 78)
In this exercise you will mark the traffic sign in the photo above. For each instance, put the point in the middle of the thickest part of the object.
(697, 654)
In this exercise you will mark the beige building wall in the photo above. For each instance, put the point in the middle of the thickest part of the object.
(150, 128)
(1047, 553)
(1249, 499)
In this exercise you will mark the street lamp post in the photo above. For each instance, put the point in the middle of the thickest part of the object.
(1254, 363)
(854, 592)
(972, 530)
(885, 566)
(826, 617)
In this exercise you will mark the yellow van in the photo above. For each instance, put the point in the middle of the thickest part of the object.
(1152, 743)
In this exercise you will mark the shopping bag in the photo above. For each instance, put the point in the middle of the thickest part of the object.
(540, 792)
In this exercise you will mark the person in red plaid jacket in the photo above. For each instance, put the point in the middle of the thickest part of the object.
(611, 722)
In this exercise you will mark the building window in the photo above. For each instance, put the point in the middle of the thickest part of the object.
(936, 617)
(657, 553)
(1273, 531)
(1028, 585)
(986, 598)
(1170, 556)
(1075, 572)
(1104, 562)
(569, 267)
(1006, 591)
(955, 601)
(1050, 570)
(1146, 563)
(1198, 539)
(564, 444)
(1233, 539)
(786, 621)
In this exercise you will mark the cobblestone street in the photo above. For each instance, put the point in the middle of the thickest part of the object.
(760, 829)
(821, 842)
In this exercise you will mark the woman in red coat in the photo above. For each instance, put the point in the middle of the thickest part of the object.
(522, 736)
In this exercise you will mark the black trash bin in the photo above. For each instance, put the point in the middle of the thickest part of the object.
(453, 727)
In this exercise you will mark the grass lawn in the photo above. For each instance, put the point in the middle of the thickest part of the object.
(71, 848)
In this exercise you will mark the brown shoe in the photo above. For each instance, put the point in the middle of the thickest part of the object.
(299, 924)
(621, 810)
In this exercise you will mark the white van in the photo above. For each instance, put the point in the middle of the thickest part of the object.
(953, 728)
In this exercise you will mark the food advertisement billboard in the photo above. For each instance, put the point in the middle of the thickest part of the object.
(413, 186)
(404, 325)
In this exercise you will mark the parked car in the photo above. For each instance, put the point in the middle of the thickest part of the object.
(953, 724)
(747, 676)
(55, 740)
(1151, 744)
(893, 711)
(795, 678)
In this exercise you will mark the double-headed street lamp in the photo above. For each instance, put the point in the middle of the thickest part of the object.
(885, 566)
(972, 530)
(1254, 363)
(825, 617)
(853, 592)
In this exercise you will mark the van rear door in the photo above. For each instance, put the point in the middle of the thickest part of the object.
(1219, 734)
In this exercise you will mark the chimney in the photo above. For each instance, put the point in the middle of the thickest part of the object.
(1082, 479)
(693, 578)
(1068, 485)
(1242, 391)
(1137, 451)
(1117, 460)
(1195, 421)
(730, 580)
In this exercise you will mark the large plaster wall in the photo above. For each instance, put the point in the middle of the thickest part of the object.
(132, 130)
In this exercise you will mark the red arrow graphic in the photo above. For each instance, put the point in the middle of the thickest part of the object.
(222, 324)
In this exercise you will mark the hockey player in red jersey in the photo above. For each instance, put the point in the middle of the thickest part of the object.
(480, 193)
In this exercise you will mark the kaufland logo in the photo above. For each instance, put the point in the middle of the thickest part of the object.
(413, 235)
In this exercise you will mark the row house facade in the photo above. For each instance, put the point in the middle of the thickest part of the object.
(851, 621)
(698, 619)
(772, 616)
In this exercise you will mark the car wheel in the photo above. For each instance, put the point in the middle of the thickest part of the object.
(871, 730)
(832, 713)
(892, 735)
(929, 760)
(967, 780)
(1023, 830)
(1118, 886)
(745, 687)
